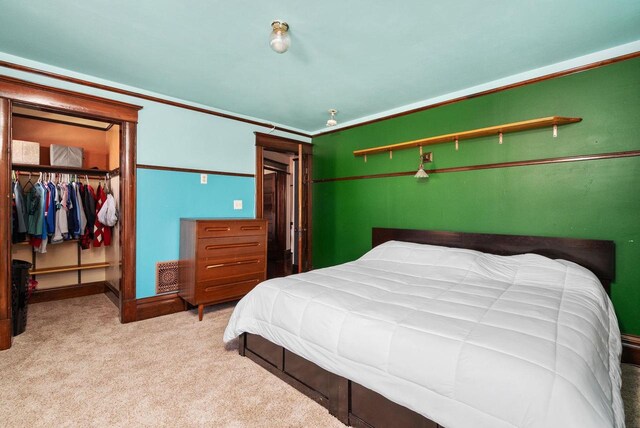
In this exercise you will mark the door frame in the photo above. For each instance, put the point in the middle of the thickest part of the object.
(301, 149)
(14, 90)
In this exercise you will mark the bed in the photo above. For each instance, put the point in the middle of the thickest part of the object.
(441, 329)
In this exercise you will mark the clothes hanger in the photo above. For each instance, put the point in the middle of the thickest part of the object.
(28, 183)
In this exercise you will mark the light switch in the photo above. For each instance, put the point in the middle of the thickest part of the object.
(237, 204)
(203, 178)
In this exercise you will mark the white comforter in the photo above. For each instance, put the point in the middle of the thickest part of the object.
(465, 338)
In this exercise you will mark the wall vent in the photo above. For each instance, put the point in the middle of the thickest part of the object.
(166, 277)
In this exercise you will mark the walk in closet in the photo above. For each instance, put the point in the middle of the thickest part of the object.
(106, 131)
(65, 189)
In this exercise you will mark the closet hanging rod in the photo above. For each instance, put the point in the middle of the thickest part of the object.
(80, 176)
(69, 268)
(58, 169)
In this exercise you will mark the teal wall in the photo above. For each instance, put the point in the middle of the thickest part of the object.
(173, 137)
(592, 199)
(163, 197)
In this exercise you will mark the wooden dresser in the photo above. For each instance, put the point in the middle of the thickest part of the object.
(221, 259)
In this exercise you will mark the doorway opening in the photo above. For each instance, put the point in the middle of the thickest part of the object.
(283, 197)
(280, 210)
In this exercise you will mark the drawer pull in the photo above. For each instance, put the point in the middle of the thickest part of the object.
(217, 229)
(250, 227)
(250, 281)
(242, 262)
(241, 245)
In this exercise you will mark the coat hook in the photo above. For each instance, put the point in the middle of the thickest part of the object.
(390, 154)
(365, 158)
(555, 131)
(456, 144)
(500, 138)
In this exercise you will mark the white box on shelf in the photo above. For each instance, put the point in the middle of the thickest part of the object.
(66, 156)
(27, 152)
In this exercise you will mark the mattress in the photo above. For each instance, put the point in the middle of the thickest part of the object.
(465, 338)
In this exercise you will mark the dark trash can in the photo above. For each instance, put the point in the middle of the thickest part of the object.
(19, 294)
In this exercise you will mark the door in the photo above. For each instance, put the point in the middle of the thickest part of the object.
(302, 220)
(304, 212)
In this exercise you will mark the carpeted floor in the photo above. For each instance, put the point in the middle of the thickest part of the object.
(76, 365)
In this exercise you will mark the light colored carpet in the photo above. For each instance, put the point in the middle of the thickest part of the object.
(76, 365)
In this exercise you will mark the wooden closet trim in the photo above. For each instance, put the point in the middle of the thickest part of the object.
(89, 106)
(67, 101)
(6, 328)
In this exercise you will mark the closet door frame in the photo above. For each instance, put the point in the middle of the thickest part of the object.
(91, 107)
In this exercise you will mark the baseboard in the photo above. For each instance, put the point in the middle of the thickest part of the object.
(6, 332)
(69, 292)
(112, 293)
(631, 349)
(157, 306)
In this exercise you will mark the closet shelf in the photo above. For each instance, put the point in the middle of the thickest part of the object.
(61, 169)
(474, 133)
(71, 268)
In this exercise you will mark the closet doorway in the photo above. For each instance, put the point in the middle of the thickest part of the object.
(283, 197)
(101, 134)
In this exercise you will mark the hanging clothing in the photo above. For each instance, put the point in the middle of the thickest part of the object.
(15, 233)
(102, 233)
(61, 229)
(35, 210)
(51, 208)
(72, 219)
(81, 215)
(44, 238)
(90, 208)
(18, 214)
(89, 204)
(108, 214)
(35, 214)
(65, 204)
(18, 197)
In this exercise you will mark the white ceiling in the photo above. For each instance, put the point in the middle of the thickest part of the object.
(361, 57)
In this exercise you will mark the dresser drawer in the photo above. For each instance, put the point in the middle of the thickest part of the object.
(231, 228)
(230, 246)
(230, 267)
(227, 289)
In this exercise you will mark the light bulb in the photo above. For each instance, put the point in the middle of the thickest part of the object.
(279, 39)
(332, 117)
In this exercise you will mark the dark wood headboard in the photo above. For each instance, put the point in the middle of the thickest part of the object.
(596, 255)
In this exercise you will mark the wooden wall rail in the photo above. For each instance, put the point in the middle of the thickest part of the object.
(576, 158)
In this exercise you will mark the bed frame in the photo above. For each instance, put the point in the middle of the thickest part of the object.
(358, 406)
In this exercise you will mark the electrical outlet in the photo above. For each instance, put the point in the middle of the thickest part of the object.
(237, 204)
(203, 178)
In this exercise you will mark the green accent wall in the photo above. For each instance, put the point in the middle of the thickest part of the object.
(592, 199)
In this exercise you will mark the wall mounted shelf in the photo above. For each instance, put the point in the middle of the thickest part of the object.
(474, 133)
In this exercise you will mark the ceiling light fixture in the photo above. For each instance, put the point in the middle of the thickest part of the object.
(279, 39)
(332, 120)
